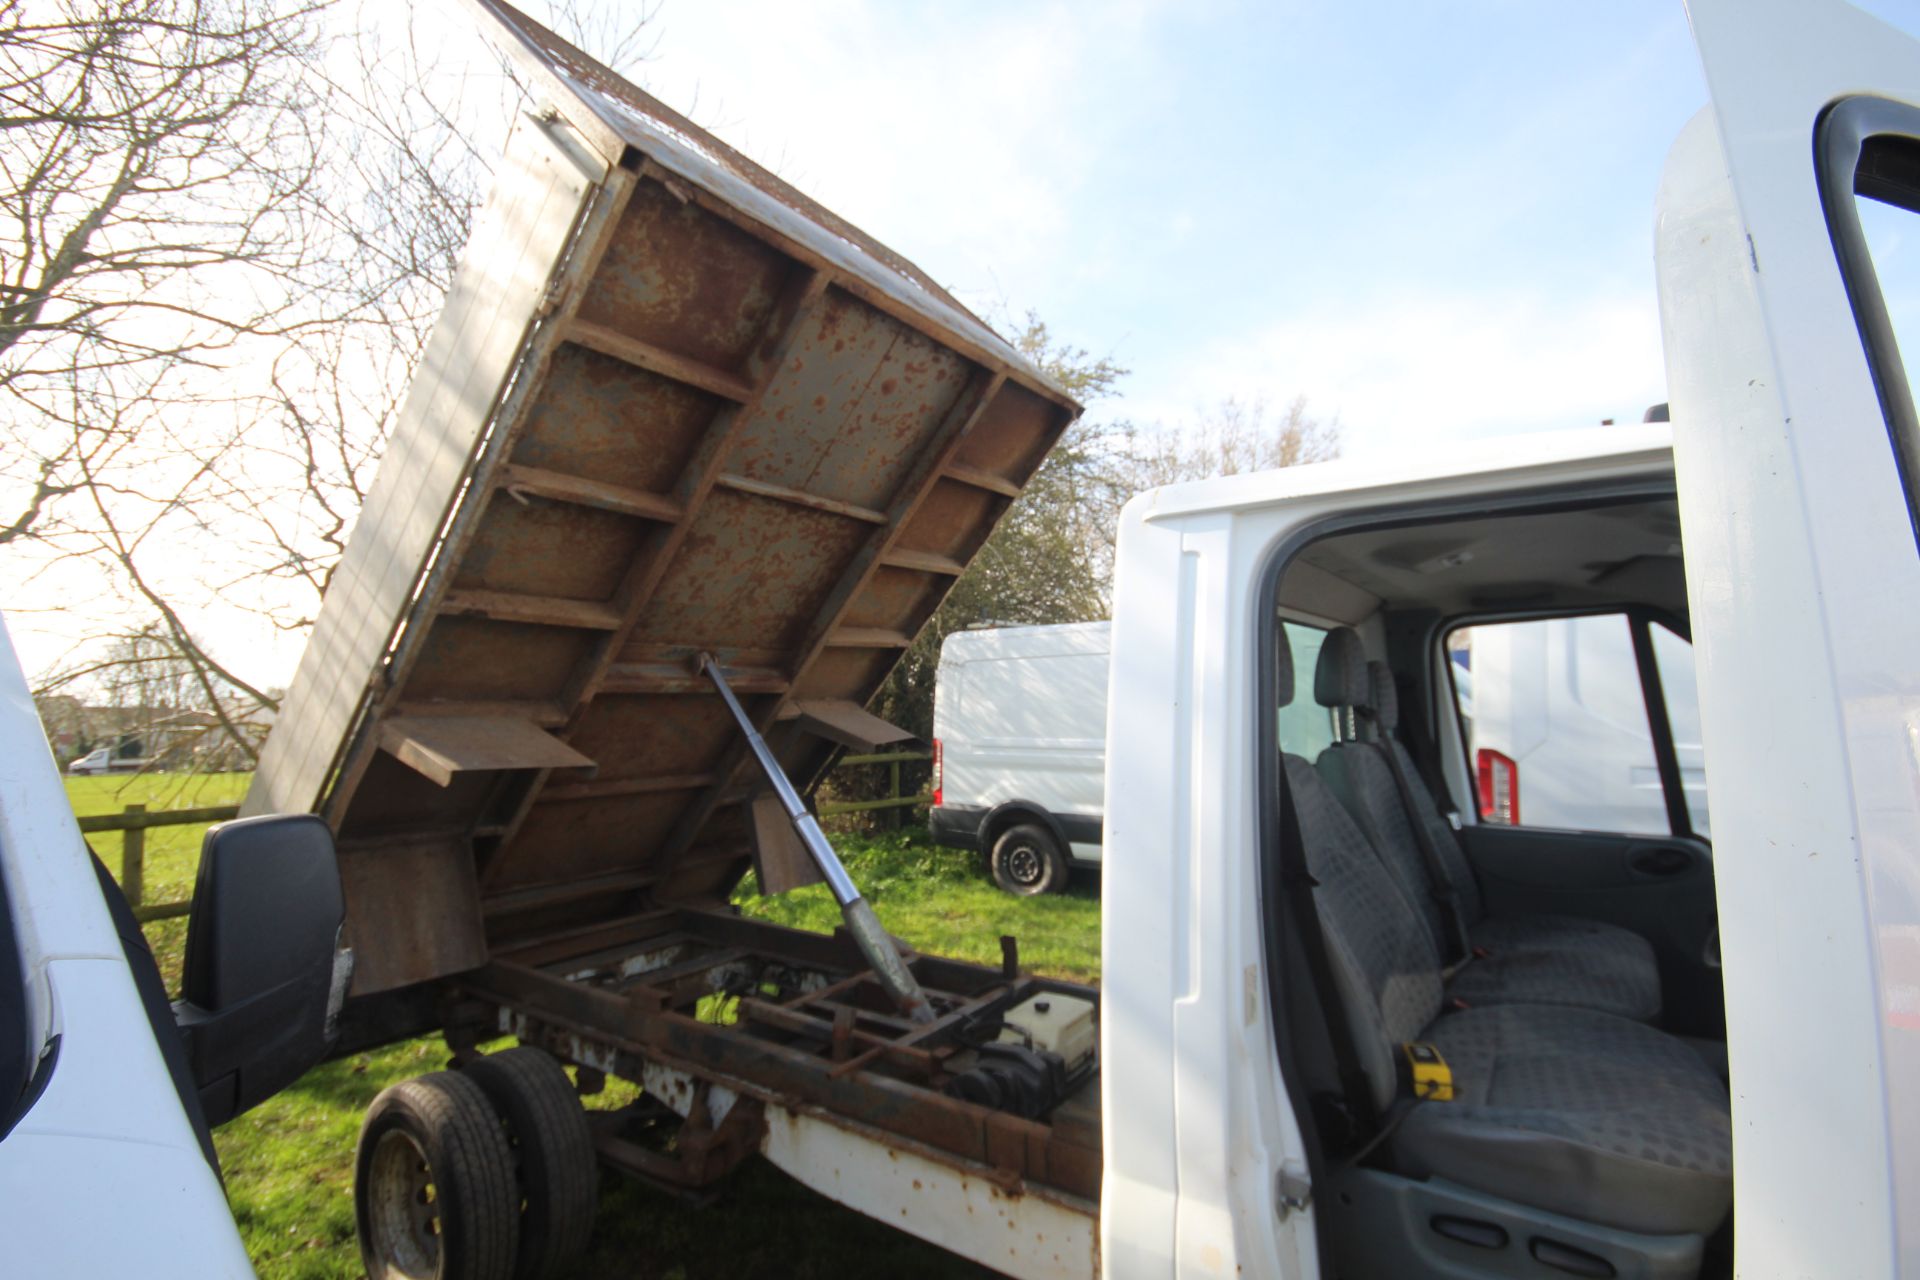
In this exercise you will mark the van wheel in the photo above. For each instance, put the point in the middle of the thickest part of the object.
(433, 1188)
(559, 1174)
(1027, 860)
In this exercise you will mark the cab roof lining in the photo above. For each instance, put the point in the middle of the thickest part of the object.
(1625, 553)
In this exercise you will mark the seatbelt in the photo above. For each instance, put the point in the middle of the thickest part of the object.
(1357, 1092)
(1439, 883)
(1429, 1079)
(1399, 1111)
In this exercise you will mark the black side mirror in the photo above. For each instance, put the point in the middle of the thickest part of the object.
(264, 971)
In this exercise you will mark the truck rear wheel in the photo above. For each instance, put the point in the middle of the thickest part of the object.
(433, 1187)
(1027, 860)
(559, 1174)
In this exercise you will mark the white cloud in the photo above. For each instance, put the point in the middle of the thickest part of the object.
(958, 137)
(1434, 367)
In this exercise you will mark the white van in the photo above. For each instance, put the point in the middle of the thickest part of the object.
(1019, 746)
(106, 760)
(1019, 743)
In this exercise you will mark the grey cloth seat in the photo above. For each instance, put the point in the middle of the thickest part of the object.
(1579, 1113)
(1560, 960)
(1567, 1110)
(1542, 959)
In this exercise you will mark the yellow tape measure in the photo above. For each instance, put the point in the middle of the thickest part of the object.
(1428, 1072)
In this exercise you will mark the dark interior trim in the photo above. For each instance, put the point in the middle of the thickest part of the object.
(1665, 758)
(18, 1055)
(1865, 146)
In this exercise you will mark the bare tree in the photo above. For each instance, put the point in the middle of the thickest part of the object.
(1235, 436)
(1035, 567)
(417, 130)
(221, 450)
(142, 698)
(148, 678)
(1051, 558)
(148, 149)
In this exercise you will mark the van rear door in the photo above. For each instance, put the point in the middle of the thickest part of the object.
(1789, 255)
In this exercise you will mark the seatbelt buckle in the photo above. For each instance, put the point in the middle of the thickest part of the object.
(1428, 1074)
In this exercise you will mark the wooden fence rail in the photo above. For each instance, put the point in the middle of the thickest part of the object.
(893, 760)
(134, 821)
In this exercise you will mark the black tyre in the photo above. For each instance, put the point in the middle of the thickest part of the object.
(433, 1188)
(559, 1174)
(1027, 860)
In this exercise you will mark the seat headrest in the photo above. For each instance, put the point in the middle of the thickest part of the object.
(1386, 699)
(1340, 679)
(1282, 665)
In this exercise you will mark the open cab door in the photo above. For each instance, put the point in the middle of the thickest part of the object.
(1789, 266)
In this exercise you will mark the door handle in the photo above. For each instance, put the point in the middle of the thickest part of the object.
(1661, 860)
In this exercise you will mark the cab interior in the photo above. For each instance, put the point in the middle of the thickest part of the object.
(1488, 882)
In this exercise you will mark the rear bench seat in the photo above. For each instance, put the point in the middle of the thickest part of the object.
(1561, 1109)
(1509, 959)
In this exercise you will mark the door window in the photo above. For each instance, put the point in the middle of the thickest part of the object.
(1306, 728)
(1870, 183)
(1556, 725)
(1893, 247)
(17, 1056)
(1673, 655)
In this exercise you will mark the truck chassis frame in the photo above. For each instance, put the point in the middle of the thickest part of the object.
(815, 1070)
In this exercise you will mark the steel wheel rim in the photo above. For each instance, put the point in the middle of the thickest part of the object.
(403, 1207)
(1023, 864)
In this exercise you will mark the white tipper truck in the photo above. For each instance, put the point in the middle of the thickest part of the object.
(1344, 1028)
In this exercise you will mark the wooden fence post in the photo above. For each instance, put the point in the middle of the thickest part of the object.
(893, 815)
(133, 855)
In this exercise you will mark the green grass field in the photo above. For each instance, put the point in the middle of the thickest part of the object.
(289, 1162)
(173, 853)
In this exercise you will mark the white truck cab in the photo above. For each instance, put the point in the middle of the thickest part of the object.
(106, 1093)
(91, 1115)
(1284, 942)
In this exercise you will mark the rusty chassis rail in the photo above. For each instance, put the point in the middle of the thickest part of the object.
(837, 1050)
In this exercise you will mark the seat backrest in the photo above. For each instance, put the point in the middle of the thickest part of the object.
(1357, 774)
(1386, 723)
(1384, 960)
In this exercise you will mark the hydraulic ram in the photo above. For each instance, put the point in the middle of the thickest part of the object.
(873, 941)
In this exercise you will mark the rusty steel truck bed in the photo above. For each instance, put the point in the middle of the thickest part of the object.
(673, 408)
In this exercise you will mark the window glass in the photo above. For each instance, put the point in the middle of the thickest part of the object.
(1880, 256)
(1673, 655)
(1893, 242)
(1306, 728)
(1556, 725)
(17, 1052)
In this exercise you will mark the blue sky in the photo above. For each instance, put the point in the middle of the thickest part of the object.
(1430, 220)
